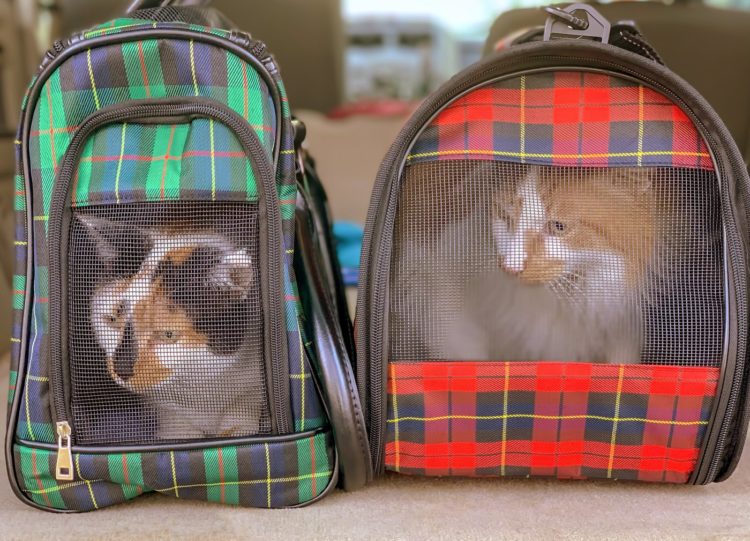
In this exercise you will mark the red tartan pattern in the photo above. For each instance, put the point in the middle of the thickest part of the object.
(564, 420)
(565, 118)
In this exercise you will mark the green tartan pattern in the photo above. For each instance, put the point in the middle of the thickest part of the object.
(127, 24)
(209, 166)
(95, 79)
(130, 163)
(271, 475)
(12, 385)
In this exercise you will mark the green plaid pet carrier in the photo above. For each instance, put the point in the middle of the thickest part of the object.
(555, 271)
(160, 341)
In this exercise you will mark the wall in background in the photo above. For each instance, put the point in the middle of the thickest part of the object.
(307, 38)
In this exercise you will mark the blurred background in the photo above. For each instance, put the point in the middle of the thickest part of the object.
(355, 69)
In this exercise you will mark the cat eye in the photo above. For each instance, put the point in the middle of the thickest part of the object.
(169, 336)
(114, 317)
(555, 227)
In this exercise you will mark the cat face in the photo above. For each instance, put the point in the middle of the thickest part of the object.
(590, 231)
(181, 315)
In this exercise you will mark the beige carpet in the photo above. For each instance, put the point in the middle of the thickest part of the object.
(410, 508)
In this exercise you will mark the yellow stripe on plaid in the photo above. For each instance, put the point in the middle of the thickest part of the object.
(395, 420)
(318, 475)
(119, 162)
(95, 33)
(546, 418)
(60, 488)
(613, 439)
(88, 483)
(175, 486)
(268, 481)
(192, 67)
(301, 376)
(93, 84)
(268, 475)
(505, 418)
(27, 405)
(525, 155)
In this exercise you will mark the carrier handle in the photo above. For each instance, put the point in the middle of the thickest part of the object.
(151, 4)
(563, 22)
(334, 371)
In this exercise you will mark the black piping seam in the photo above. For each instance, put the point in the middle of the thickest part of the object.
(184, 446)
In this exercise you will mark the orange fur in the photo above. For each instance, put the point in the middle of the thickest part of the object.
(610, 211)
(153, 318)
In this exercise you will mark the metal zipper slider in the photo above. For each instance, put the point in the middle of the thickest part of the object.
(64, 468)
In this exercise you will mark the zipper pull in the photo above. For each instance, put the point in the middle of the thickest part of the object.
(64, 468)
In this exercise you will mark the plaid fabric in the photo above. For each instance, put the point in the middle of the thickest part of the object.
(259, 475)
(127, 24)
(565, 420)
(123, 163)
(565, 118)
(138, 70)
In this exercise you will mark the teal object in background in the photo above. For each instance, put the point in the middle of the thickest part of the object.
(348, 237)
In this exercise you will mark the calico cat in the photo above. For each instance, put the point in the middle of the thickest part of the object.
(172, 314)
(573, 252)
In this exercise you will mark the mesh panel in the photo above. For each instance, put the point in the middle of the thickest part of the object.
(502, 261)
(165, 323)
(202, 16)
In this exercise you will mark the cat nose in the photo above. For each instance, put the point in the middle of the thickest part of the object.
(125, 354)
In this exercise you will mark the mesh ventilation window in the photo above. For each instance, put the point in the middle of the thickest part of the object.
(613, 265)
(165, 323)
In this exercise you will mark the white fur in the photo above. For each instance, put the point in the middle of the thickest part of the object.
(206, 394)
(588, 314)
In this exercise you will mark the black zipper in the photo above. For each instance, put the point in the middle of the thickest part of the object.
(58, 227)
(372, 308)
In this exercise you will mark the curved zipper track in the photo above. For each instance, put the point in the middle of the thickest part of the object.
(60, 197)
(372, 304)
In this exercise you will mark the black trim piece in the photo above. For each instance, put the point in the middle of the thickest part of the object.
(560, 55)
(237, 44)
(334, 367)
(185, 446)
(270, 242)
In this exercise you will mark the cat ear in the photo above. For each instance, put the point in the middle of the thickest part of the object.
(103, 232)
(121, 247)
(235, 273)
(637, 179)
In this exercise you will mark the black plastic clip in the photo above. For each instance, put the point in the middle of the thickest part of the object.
(576, 21)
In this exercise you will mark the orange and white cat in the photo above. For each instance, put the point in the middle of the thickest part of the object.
(177, 330)
(574, 252)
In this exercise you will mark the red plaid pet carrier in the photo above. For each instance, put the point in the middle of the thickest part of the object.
(555, 277)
